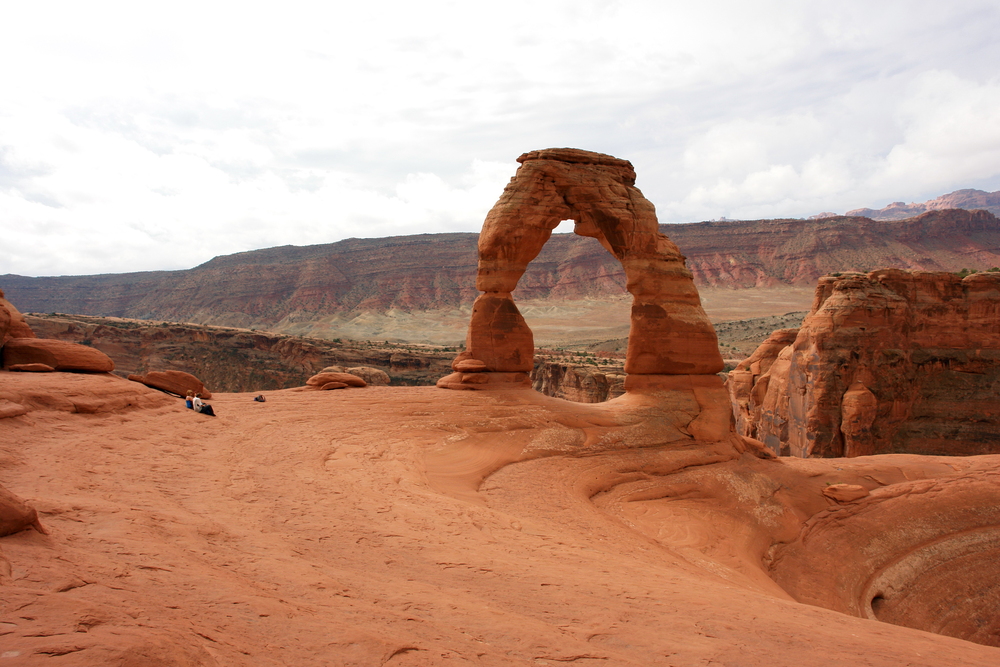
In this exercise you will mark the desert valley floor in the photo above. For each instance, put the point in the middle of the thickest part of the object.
(420, 526)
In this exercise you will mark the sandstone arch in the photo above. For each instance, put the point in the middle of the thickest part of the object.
(670, 334)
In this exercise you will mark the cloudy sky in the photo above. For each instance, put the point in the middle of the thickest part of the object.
(141, 136)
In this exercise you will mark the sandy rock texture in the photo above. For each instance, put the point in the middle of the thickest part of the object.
(12, 323)
(890, 361)
(415, 526)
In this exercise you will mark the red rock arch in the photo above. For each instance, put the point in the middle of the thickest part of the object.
(670, 333)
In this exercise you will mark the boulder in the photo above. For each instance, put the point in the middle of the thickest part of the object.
(374, 377)
(845, 493)
(173, 382)
(333, 385)
(11, 409)
(16, 515)
(59, 355)
(320, 379)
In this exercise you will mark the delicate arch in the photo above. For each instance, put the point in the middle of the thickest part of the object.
(670, 333)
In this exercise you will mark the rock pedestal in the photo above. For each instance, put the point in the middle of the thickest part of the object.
(670, 335)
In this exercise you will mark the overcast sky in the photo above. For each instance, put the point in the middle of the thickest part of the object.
(140, 136)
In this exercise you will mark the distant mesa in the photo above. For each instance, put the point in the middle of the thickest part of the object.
(887, 362)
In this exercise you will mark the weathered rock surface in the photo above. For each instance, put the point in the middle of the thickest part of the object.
(57, 354)
(348, 379)
(31, 368)
(891, 361)
(16, 515)
(12, 323)
(233, 360)
(174, 382)
(575, 382)
(413, 526)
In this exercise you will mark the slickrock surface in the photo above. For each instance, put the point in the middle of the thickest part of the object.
(415, 526)
(891, 361)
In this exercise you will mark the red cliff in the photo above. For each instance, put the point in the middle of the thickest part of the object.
(891, 361)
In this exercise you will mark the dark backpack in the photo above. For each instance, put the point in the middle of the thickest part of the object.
(206, 409)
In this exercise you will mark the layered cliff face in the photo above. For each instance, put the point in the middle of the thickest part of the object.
(234, 360)
(891, 361)
(315, 289)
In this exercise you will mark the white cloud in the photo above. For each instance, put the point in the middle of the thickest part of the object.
(137, 137)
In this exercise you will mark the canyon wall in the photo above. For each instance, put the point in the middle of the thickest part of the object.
(233, 360)
(289, 289)
(891, 361)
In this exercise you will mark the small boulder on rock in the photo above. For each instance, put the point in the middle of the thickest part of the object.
(317, 381)
(373, 376)
(16, 515)
(173, 382)
(845, 493)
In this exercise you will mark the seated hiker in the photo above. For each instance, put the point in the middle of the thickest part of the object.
(202, 407)
(259, 398)
(189, 400)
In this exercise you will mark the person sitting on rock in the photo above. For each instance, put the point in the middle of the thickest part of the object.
(189, 400)
(202, 407)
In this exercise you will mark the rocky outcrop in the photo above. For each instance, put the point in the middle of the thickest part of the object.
(12, 323)
(173, 382)
(234, 360)
(964, 199)
(670, 334)
(57, 354)
(16, 515)
(576, 383)
(891, 361)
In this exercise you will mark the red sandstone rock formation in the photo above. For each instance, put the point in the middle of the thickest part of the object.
(891, 361)
(12, 324)
(58, 354)
(670, 334)
(347, 379)
(16, 515)
(173, 382)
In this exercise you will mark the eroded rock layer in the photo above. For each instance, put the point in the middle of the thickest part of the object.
(891, 361)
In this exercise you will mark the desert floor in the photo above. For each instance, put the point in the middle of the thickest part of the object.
(413, 526)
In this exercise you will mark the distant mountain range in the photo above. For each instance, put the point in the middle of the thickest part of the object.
(966, 199)
(290, 288)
